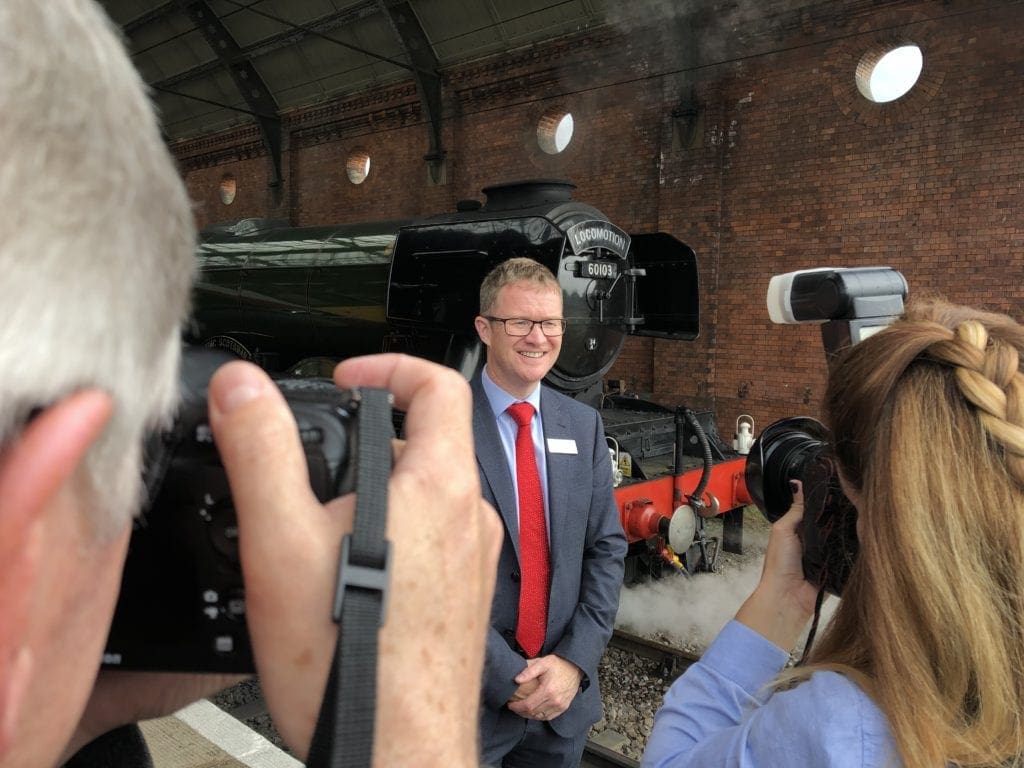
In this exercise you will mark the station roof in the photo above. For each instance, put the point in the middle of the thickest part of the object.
(217, 64)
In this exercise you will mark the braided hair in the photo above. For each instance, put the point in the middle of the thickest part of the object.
(988, 373)
(927, 419)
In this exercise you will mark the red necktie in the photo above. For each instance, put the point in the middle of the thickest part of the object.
(533, 538)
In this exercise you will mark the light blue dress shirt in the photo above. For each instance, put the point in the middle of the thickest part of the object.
(721, 714)
(500, 400)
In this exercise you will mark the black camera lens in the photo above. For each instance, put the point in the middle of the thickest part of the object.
(779, 455)
(798, 449)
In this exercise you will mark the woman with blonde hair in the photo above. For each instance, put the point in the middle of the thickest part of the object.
(922, 663)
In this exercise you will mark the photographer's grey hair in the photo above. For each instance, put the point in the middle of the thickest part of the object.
(97, 249)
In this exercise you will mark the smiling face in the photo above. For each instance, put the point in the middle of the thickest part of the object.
(518, 363)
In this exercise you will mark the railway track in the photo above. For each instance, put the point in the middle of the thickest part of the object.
(671, 660)
(598, 756)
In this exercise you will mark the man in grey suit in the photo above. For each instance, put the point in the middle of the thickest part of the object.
(560, 571)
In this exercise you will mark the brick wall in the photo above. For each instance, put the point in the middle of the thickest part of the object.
(772, 162)
(812, 174)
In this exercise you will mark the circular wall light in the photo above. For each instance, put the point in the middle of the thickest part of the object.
(357, 166)
(554, 130)
(228, 189)
(886, 73)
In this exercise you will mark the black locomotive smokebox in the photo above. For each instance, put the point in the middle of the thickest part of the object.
(528, 193)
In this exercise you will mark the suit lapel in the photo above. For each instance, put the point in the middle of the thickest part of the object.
(493, 463)
(559, 468)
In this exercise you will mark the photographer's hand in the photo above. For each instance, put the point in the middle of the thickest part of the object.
(783, 601)
(445, 542)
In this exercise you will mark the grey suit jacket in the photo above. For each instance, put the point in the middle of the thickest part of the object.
(587, 553)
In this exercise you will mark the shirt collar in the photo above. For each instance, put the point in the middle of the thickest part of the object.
(500, 400)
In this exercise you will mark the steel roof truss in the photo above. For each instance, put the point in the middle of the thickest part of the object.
(248, 81)
(424, 69)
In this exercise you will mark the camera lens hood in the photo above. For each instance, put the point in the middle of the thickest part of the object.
(776, 457)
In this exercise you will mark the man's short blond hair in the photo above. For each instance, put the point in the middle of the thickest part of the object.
(517, 270)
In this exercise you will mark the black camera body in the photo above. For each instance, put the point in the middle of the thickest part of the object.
(798, 449)
(182, 602)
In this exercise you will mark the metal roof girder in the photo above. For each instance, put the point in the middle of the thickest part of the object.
(420, 52)
(248, 81)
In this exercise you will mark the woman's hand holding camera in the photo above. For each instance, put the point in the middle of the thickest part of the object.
(783, 601)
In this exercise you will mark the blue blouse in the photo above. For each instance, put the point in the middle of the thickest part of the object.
(722, 713)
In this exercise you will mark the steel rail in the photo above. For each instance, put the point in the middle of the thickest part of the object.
(671, 660)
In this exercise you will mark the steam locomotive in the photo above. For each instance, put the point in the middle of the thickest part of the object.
(297, 300)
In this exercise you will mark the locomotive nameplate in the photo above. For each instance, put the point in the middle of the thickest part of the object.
(598, 269)
(587, 235)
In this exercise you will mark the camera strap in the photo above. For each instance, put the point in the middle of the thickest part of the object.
(345, 727)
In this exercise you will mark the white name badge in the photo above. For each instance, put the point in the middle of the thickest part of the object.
(559, 445)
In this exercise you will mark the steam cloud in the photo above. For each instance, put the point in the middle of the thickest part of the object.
(686, 611)
(689, 612)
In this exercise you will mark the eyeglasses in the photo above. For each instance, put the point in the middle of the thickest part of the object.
(520, 326)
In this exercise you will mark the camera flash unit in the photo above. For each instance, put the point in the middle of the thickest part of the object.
(852, 303)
